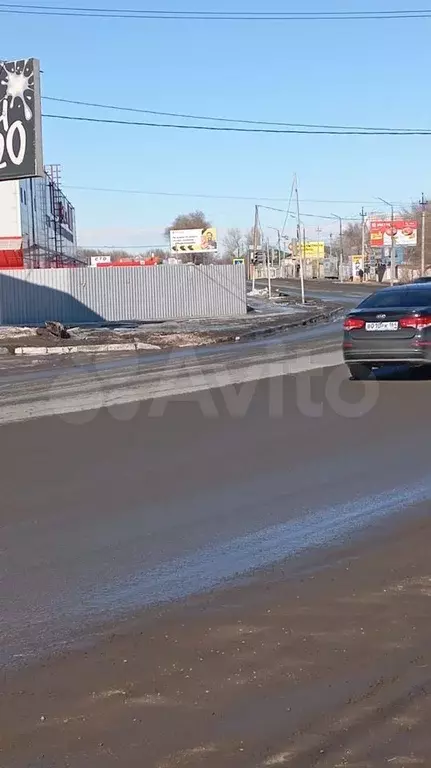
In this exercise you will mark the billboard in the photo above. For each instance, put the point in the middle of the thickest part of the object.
(20, 120)
(312, 250)
(357, 264)
(405, 233)
(193, 240)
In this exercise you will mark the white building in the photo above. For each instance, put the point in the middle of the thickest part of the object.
(37, 225)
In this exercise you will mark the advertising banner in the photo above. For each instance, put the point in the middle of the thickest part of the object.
(357, 264)
(193, 240)
(313, 250)
(20, 120)
(405, 233)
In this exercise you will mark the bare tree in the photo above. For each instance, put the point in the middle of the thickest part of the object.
(233, 243)
(352, 239)
(193, 220)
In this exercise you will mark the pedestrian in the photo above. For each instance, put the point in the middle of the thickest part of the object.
(361, 275)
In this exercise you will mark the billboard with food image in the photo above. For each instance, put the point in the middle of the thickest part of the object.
(403, 231)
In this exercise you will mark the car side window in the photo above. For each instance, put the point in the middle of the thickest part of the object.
(418, 298)
(382, 299)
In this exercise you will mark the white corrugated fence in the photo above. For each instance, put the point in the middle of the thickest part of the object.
(121, 294)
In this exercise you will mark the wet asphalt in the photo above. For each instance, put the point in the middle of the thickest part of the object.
(102, 517)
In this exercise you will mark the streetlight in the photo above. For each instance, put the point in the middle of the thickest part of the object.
(423, 203)
(279, 243)
(341, 261)
(390, 205)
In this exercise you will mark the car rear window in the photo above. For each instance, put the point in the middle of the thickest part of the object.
(416, 297)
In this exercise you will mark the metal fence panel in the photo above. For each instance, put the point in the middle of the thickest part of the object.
(116, 294)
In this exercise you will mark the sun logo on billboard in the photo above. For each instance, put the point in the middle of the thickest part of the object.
(19, 85)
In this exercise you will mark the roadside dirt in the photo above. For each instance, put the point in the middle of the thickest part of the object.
(302, 667)
(173, 335)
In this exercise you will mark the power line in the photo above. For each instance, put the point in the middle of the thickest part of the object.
(235, 129)
(249, 198)
(307, 215)
(183, 12)
(292, 190)
(220, 119)
(64, 11)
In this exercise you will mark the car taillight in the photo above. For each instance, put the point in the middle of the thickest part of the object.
(353, 324)
(419, 323)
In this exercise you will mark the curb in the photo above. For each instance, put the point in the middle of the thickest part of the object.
(299, 323)
(92, 349)
(85, 349)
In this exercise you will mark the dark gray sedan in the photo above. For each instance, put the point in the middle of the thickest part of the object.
(391, 326)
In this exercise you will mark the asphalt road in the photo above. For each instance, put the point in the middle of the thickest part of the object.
(114, 470)
(87, 383)
(314, 487)
(101, 517)
(348, 294)
(34, 389)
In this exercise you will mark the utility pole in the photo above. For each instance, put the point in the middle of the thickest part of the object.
(298, 240)
(341, 259)
(341, 251)
(278, 244)
(255, 238)
(393, 237)
(268, 268)
(423, 204)
(318, 232)
(330, 245)
(304, 240)
(363, 215)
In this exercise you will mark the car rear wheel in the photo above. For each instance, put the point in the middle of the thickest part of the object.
(359, 371)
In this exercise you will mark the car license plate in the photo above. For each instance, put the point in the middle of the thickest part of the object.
(381, 326)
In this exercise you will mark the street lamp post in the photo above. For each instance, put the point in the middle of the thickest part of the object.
(268, 268)
(390, 205)
(278, 243)
(341, 261)
(423, 204)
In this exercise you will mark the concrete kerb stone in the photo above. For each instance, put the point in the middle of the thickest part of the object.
(299, 322)
(253, 333)
(85, 349)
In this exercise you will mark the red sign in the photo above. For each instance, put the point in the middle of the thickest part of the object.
(404, 232)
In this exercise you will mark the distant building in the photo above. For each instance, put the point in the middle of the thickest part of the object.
(37, 225)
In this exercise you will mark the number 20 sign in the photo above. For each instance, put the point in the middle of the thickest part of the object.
(20, 120)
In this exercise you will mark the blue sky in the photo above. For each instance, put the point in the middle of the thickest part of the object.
(338, 72)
